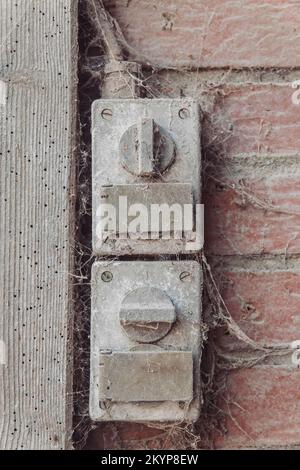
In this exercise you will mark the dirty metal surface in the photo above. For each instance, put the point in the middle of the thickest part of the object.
(147, 314)
(138, 142)
(125, 196)
(146, 376)
(112, 281)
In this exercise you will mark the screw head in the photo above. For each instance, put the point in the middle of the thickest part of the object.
(107, 276)
(184, 275)
(106, 114)
(184, 113)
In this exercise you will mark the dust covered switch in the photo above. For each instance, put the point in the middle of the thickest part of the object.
(146, 339)
(146, 164)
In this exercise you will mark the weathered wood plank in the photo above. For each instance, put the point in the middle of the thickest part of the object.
(38, 62)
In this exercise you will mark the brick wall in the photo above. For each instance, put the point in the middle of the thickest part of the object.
(239, 59)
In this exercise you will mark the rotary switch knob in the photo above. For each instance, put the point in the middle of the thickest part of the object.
(146, 149)
(147, 314)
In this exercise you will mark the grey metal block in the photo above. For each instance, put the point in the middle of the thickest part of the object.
(120, 359)
(125, 134)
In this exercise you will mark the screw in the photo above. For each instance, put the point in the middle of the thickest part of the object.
(184, 275)
(106, 276)
(184, 113)
(106, 114)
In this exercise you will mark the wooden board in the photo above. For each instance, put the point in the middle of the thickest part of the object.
(38, 64)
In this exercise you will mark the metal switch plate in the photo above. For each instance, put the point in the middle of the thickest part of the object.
(140, 376)
(158, 376)
(150, 195)
(144, 150)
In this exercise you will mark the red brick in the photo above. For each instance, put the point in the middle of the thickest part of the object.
(256, 119)
(262, 407)
(212, 33)
(235, 226)
(266, 305)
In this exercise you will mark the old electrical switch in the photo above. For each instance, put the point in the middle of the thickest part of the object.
(146, 176)
(146, 330)
(146, 340)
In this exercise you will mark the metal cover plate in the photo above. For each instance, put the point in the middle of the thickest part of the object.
(182, 283)
(178, 117)
(122, 197)
(142, 376)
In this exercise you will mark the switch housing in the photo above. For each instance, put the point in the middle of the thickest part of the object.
(146, 339)
(149, 152)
